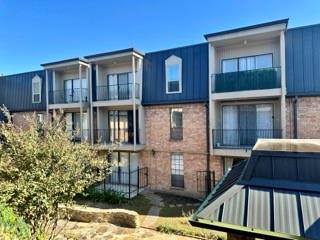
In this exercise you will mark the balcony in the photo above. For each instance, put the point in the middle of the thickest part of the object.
(68, 96)
(120, 135)
(241, 138)
(77, 136)
(117, 92)
(258, 79)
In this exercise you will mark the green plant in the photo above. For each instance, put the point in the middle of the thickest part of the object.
(107, 196)
(11, 226)
(42, 168)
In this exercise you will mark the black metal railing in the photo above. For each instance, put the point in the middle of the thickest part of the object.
(205, 181)
(115, 135)
(79, 136)
(117, 92)
(68, 96)
(176, 133)
(128, 183)
(239, 138)
(266, 78)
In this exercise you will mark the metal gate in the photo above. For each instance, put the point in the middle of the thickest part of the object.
(205, 181)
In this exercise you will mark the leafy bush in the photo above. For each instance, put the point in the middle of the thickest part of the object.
(11, 226)
(40, 169)
(108, 196)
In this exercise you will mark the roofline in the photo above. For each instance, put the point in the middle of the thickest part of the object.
(176, 48)
(15, 74)
(305, 26)
(241, 230)
(64, 61)
(266, 24)
(114, 52)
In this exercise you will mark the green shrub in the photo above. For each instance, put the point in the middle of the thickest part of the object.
(11, 226)
(107, 196)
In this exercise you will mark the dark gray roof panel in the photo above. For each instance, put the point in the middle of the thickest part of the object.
(303, 61)
(16, 92)
(114, 52)
(282, 21)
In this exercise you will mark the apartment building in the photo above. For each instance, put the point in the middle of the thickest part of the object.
(184, 115)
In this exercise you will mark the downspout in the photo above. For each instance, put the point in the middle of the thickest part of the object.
(295, 119)
(208, 148)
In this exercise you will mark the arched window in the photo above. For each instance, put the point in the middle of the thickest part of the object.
(36, 89)
(173, 74)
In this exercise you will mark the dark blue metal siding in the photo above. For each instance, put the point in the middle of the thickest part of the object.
(194, 76)
(16, 92)
(303, 61)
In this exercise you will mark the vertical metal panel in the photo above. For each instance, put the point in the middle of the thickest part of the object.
(259, 209)
(310, 204)
(285, 213)
(194, 75)
(16, 92)
(303, 60)
(233, 210)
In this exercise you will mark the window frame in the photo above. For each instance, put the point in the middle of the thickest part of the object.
(173, 60)
(177, 171)
(36, 80)
(238, 58)
(172, 135)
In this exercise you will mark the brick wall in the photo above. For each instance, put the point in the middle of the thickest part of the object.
(308, 117)
(159, 146)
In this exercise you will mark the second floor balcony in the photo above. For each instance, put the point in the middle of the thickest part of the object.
(115, 136)
(68, 96)
(241, 138)
(258, 79)
(117, 92)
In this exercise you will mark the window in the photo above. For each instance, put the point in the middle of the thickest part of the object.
(72, 90)
(177, 174)
(173, 74)
(176, 130)
(36, 89)
(247, 63)
(119, 86)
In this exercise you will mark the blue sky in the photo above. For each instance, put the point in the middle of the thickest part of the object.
(38, 31)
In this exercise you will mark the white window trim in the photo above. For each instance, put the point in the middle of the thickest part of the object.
(174, 60)
(36, 79)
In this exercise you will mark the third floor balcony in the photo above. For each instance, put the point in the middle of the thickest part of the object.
(258, 79)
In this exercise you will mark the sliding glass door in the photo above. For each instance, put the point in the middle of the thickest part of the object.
(243, 124)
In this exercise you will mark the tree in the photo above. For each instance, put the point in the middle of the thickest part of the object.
(40, 168)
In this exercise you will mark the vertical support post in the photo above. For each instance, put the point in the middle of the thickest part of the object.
(129, 172)
(212, 116)
(283, 83)
(47, 94)
(81, 110)
(138, 179)
(89, 79)
(134, 102)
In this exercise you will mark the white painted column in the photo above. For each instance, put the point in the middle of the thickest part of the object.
(212, 114)
(90, 114)
(47, 94)
(141, 110)
(81, 110)
(283, 82)
(134, 102)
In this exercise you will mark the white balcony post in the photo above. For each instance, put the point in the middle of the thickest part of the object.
(283, 83)
(47, 94)
(134, 102)
(89, 74)
(81, 110)
(212, 114)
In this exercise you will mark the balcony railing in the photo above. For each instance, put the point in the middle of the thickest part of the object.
(68, 96)
(117, 92)
(78, 136)
(115, 135)
(241, 138)
(266, 78)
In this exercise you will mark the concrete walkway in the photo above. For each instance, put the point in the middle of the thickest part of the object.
(153, 213)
